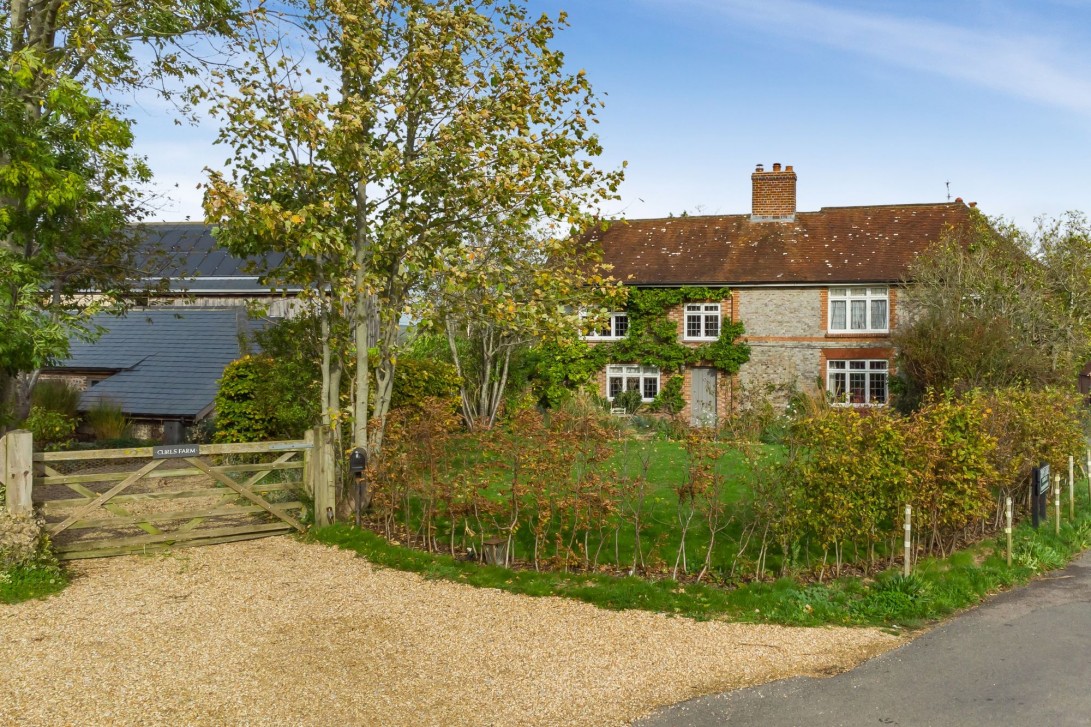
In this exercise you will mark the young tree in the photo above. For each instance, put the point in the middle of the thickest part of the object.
(434, 121)
(505, 291)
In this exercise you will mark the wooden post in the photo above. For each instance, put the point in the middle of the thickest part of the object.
(1088, 471)
(1057, 501)
(18, 470)
(906, 568)
(1071, 487)
(322, 469)
(308, 462)
(1007, 527)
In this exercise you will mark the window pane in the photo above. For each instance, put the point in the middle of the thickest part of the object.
(714, 308)
(695, 308)
(693, 326)
(878, 315)
(858, 388)
(859, 315)
(651, 387)
(838, 292)
(712, 326)
(858, 365)
(621, 326)
(857, 291)
(615, 386)
(837, 364)
(837, 315)
(878, 365)
(878, 388)
(837, 385)
(632, 383)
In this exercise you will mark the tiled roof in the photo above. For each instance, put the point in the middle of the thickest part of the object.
(167, 359)
(196, 263)
(833, 245)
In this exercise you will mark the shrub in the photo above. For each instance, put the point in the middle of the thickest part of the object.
(418, 379)
(56, 395)
(629, 400)
(244, 412)
(49, 427)
(107, 421)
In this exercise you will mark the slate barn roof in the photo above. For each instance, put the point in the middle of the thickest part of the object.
(196, 263)
(833, 245)
(167, 360)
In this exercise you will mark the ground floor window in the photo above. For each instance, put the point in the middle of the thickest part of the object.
(644, 379)
(857, 382)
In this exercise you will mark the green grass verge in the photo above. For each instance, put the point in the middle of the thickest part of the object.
(25, 582)
(937, 588)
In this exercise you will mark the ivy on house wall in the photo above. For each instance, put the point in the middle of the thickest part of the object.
(653, 339)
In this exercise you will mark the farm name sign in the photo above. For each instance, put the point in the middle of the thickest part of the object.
(176, 450)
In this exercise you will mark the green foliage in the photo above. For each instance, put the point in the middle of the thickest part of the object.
(107, 421)
(49, 427)
(629, 400)
(669, 399)
(25, 582)
(56, 395)
(244, 412)
(418, 379)
(992, 306)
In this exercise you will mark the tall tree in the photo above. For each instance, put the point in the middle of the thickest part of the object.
(435, 121)
(69, 183)
(992, 305)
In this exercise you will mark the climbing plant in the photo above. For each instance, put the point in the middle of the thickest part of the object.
(652, 340)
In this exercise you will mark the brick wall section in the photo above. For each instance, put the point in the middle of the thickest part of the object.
(774, 192)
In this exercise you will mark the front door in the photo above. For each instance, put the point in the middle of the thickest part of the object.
(703, 397)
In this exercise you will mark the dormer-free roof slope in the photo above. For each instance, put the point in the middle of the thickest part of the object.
(833, 245)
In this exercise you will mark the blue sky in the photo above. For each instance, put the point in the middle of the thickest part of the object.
(872, 102)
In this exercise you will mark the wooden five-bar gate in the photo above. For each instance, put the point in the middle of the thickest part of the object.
(147, 499)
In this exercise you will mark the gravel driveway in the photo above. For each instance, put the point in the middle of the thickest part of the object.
(279, 632)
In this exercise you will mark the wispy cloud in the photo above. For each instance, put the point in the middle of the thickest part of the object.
(1014, 62)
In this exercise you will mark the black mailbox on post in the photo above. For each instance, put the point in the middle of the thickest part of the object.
(358, 461)
(357, 466)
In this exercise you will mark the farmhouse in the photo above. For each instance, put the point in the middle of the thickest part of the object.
(817, 292)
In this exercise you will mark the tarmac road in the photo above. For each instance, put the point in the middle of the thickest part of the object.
(1023, 658)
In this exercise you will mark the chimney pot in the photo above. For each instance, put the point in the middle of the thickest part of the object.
(958, 200)
(776, 166)
(760, 168)
(788, 168)
(973, 204)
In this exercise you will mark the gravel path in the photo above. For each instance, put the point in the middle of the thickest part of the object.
(278, 632)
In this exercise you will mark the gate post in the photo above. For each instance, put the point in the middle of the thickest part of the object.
(323, 476)
(17, 460)
(308, 462)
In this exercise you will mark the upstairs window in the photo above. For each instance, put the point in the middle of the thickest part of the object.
(617, 326)
(702, 322)
(857, 383)
(644, 379)
(859, 310)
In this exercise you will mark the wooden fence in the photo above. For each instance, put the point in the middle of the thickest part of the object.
(146, 499)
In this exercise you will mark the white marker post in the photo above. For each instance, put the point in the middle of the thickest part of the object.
(908, 539)
(1057, 502)
(1088, 471)
(1007, 528)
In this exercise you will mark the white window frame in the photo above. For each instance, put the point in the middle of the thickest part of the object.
(704, 314)
(631, 372)
(842, 300)
(613, 336)
(869, 369)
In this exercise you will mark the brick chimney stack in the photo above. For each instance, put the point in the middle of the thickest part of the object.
(774, 194)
